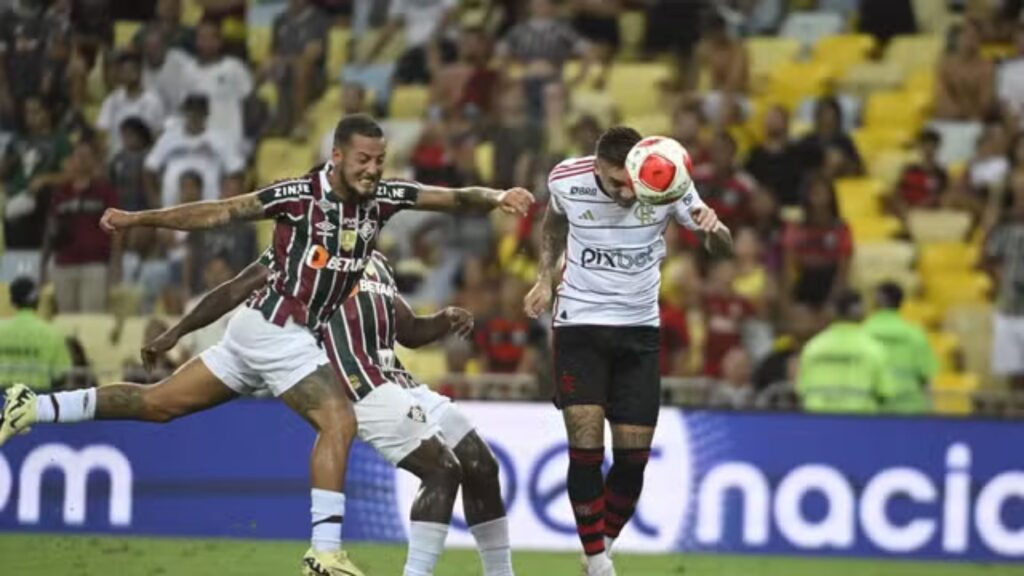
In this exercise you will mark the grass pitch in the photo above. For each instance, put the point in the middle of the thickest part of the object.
(47, 554)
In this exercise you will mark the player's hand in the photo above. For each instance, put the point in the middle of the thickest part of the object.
(460, 321)
(115, 220)
(158, 347)
(538, 299)
(515, 201)
(705, 218)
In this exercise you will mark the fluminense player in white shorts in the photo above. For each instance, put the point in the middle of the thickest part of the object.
(326, 223)
(606, 326)
(409, 424)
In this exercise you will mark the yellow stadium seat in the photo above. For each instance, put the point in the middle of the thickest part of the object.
(886, 166)
(280, 158)
(264, 232)
(996, 52)
(864, 78)
(874, 228)
(921, 80)
(124, 32)
(792, 82)
(842, 51)
(946, 346)
(927, 226)
(952, 393)
(430, 363)
(337, 50)
(946, 257)
(483, 155)
(94, 332)
(859, 197)
(921, 312)
(874, 140)
(635, 87)
(258, 40)
(957, 288)
(888, 253)
(894, 109)
(409, 102)
(767, 53)
(598, 104)
(914, 52)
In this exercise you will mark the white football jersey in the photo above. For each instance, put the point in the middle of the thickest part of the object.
(613, 255)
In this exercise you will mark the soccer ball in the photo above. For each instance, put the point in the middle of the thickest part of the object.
(659, 170)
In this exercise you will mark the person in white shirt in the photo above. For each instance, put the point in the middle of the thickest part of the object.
(128, 100)
(193, 146)
(425, 23)
(226, 82)
(606, 342)
(163, 69)
(1010, 79)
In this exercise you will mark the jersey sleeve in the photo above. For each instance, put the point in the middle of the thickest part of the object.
(287, 199)
(555, 200)
(688, 201)
(266, 259)
(393, 196)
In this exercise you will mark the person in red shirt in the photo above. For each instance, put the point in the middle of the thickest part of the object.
(675, 340)
(510, 342)
(725, 313)
(86, 259)
(817, 251)
(923, 183)
(724, 187)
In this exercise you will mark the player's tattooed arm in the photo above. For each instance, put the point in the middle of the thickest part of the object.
(191, 216)
(413, 331)
(213, 305)
(554, 234)
(474, 199)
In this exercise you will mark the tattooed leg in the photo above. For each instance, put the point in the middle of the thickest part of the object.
(190, 389)
(319, 399)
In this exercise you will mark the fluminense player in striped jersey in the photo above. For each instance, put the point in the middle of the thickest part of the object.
(326, 224)
(410, 425)
(605, 316)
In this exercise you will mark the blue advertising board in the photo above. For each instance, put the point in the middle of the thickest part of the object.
(717, 482)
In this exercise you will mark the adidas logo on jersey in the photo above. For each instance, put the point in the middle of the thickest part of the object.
(588, 215)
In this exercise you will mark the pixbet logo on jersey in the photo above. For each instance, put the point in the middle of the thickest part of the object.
(617, 259)
(318, 258)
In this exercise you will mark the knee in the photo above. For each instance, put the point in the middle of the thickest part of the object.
(448, 472)
(482, 469)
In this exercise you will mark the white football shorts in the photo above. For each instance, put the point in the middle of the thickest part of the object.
(255, 354)
(395, 420)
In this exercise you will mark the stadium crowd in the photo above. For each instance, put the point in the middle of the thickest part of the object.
(870, 146)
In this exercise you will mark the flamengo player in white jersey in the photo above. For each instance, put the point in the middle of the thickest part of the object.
(606, 327)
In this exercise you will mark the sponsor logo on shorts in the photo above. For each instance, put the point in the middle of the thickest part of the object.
(318, 258)
(617, 259)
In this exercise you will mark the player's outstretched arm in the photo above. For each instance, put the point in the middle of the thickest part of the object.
(717, 237)
(191, 216)
(477, 199)
(213, 305)
(413, 331)
(554, 233)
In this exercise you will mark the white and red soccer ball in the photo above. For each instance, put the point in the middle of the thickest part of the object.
(659, 170)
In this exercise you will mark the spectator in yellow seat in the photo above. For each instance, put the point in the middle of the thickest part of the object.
(775, 162)
(827, 148)
(129, 100)
(817, 251)
(965, 84)
(32, 351)
(923, 183)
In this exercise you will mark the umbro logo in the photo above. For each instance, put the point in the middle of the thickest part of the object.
(325, 228)
(588, 215)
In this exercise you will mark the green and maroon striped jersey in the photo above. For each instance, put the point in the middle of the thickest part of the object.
(321, 245)
(360, 336)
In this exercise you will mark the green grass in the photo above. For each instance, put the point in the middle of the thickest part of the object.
(46, 554)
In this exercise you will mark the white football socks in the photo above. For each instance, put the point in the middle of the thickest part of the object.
(73, 406)
(493, 544)
(328, 515)
(426, 542)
